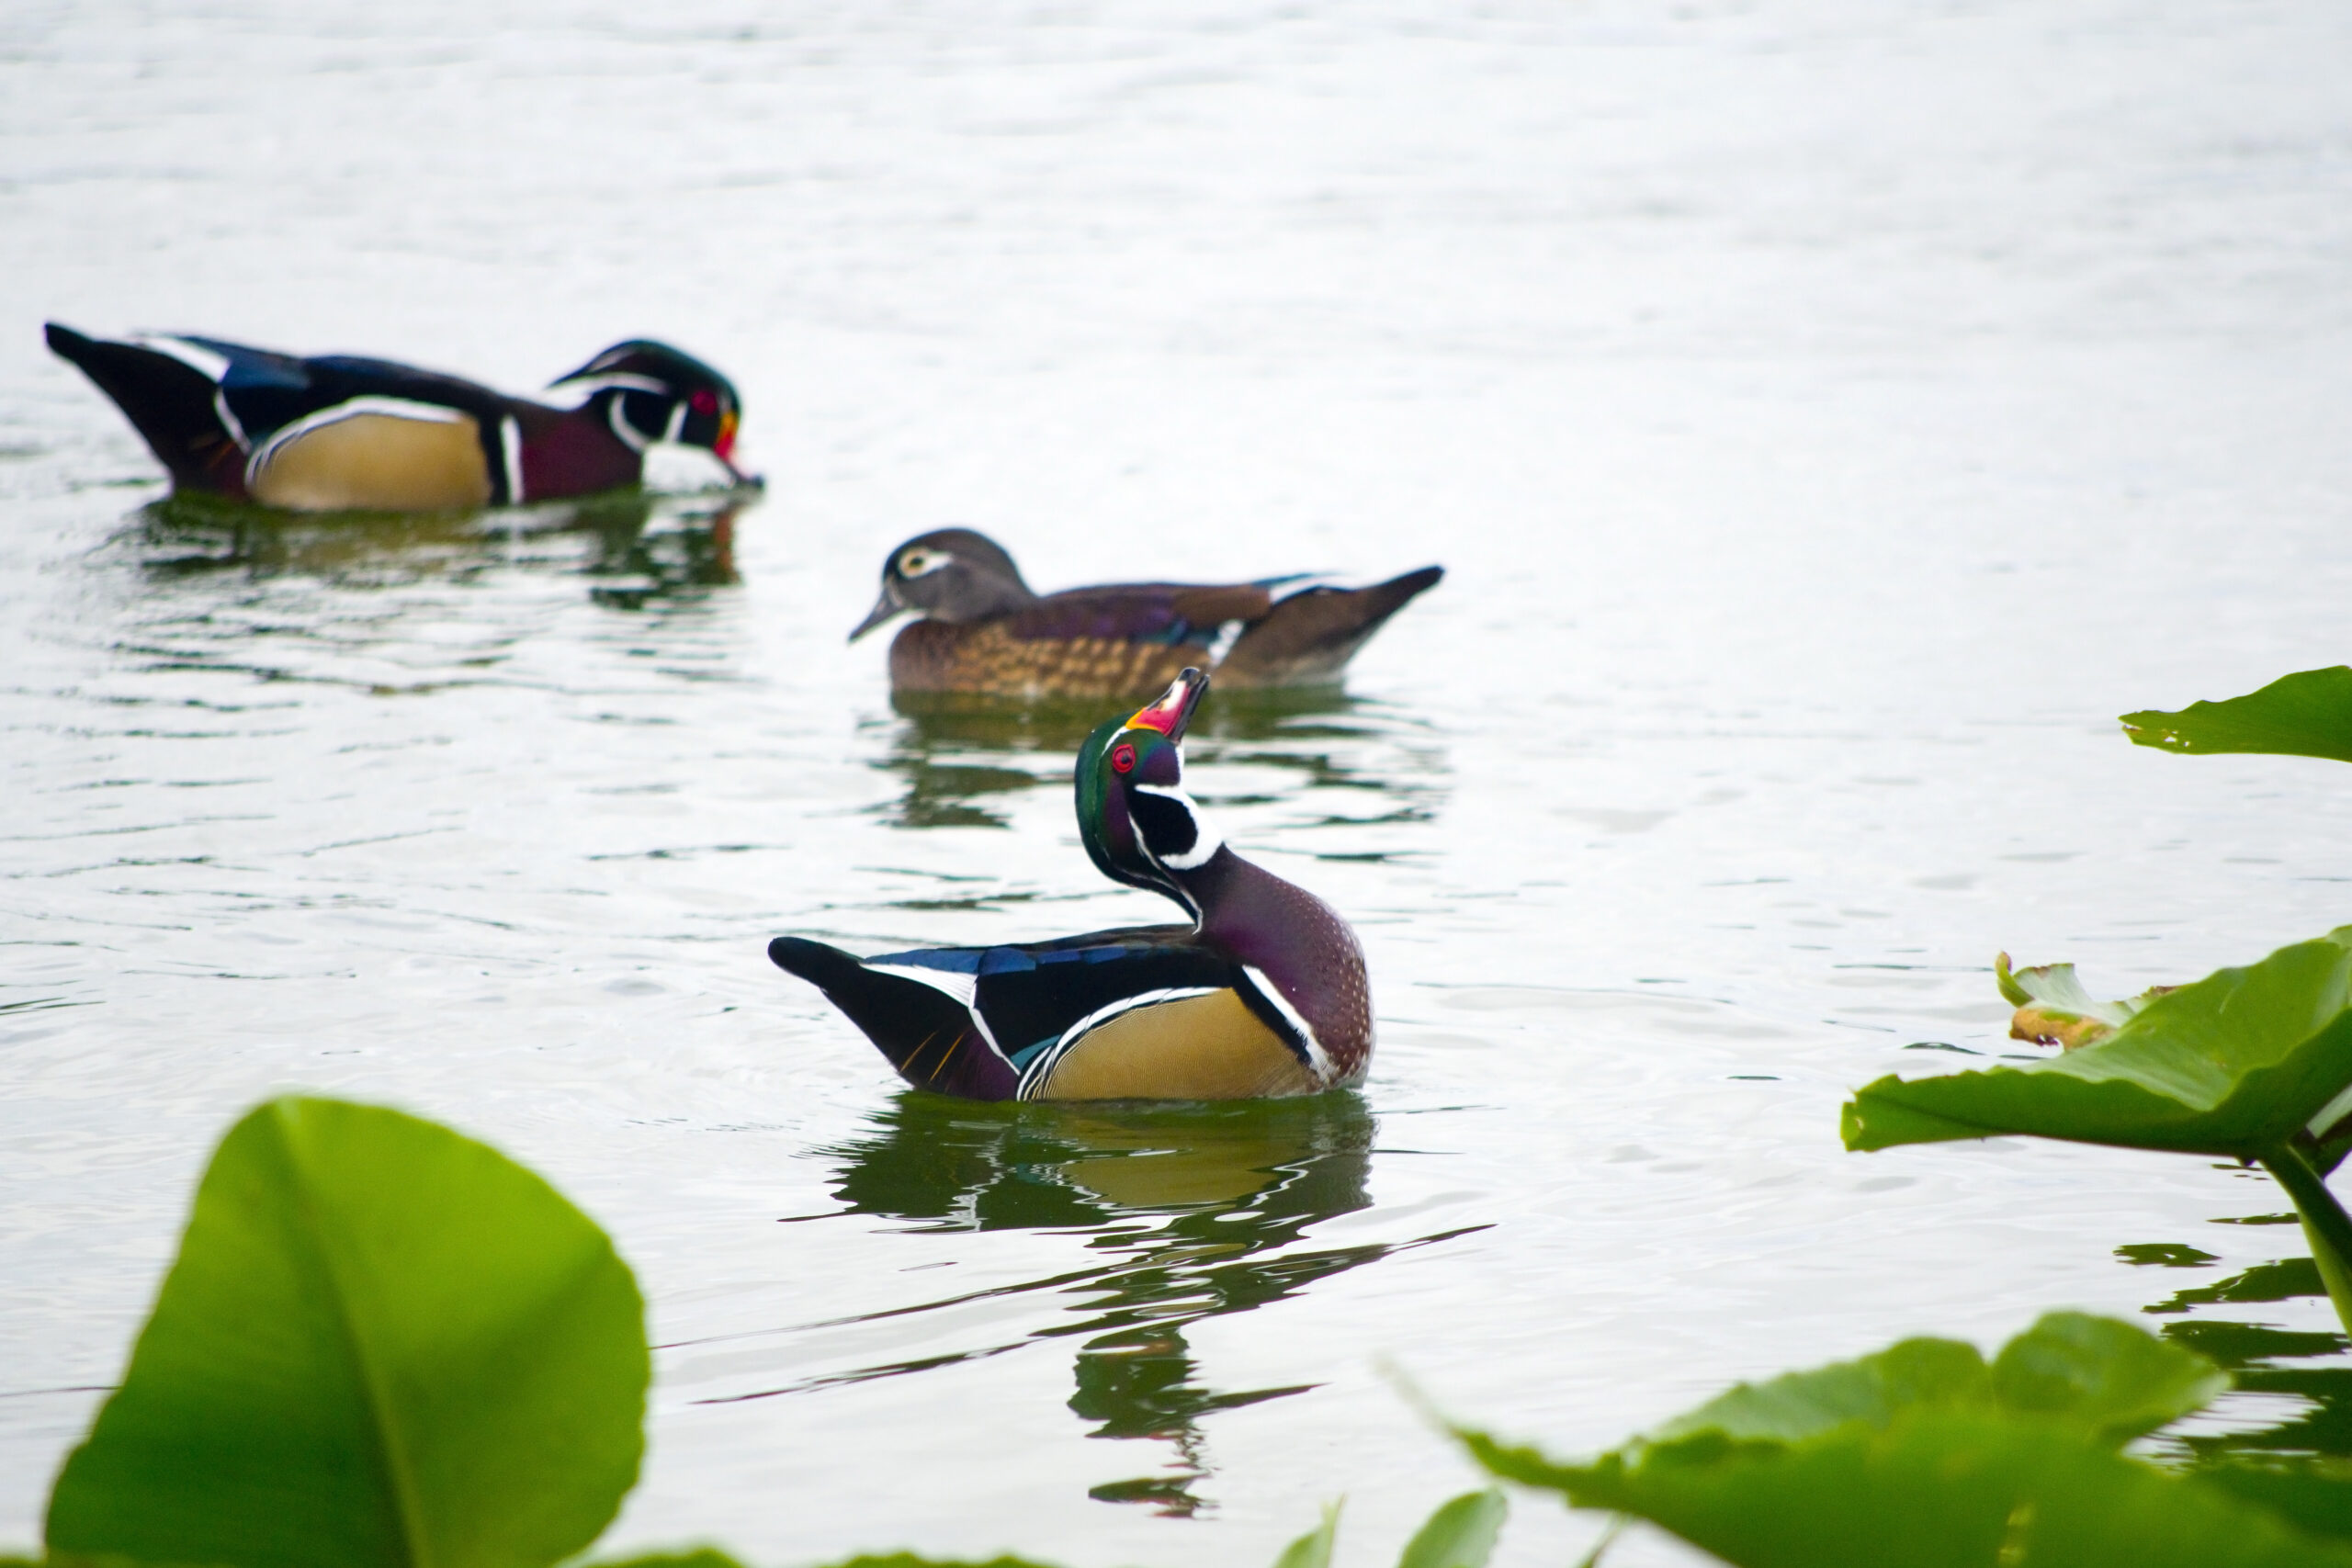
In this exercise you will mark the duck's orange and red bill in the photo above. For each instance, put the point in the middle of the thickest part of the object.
(1172, 709)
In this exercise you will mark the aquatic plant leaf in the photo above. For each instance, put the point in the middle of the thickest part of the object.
(2106, 1376)
(2308, 714)
(1923, 1456)
(2054, 1010)
(1312, 1549)
(2234, 1065)
(2313, 1494)
(2109, 1378)
(1460, 1534)
(1800, 1405)
(382, 1344)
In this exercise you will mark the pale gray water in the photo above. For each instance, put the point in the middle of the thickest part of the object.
(1831, 414)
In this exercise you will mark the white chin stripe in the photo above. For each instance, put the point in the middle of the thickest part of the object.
(1206, 839)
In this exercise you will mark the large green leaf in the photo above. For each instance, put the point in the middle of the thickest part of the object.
(2234, 1065)
(1312, 1549)
(1460, 1534)
(2110, 1378)
(1925, 1457)
(2304, 714)
(382, 1345)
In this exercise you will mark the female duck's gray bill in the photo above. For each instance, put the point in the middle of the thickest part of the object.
(884, 609)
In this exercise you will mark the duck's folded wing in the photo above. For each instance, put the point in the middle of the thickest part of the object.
(915, 1007)
(1310, 635)
(1136, 1016)
(1170, 613)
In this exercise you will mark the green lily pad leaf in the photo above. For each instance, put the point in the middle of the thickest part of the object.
(1923, 1456)
(382, 1345)
(2234, 1065)
(2304, 714)
(1314, 1549)
(2109, 1378)
(2102, 1374)
(2313, 1494)
(1460, 1534)
(1800, 1405)
(2054, 1010)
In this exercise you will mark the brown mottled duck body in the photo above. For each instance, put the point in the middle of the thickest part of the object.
(982, 631)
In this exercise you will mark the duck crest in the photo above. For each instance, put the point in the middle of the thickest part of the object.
(1264, 993)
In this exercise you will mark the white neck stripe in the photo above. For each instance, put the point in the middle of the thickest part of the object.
(1206, 839)
(632, 437)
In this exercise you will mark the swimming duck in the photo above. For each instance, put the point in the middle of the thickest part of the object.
(983, 631)
(1263, 995)
(337, 433)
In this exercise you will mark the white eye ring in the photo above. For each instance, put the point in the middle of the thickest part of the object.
(923, 563)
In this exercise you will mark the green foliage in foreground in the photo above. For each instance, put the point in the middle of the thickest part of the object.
(712, 1557)
(1925, 1456)
(2237, 1065)
(382, 1344)
(2304, 714)
(2252, 1064)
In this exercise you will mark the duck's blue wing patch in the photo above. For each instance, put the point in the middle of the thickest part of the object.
(265, 391)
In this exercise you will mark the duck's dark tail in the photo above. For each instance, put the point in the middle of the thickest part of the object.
(173, 404)
(929, 1036)
(1307, 639)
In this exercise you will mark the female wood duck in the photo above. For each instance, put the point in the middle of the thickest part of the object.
(984, 631)
(341, 433)
(1263, 995)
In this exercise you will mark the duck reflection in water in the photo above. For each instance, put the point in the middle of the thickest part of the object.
(1198, 1211)
(639, 547)
(961, 755)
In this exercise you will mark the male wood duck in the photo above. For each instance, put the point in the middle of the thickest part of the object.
(1263, 995)
(983, 630)
(341, 434)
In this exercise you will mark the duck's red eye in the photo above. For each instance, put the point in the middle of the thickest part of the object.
(1123, 758)
(705, 400)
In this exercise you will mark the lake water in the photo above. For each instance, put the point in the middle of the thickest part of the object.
(1830, 414)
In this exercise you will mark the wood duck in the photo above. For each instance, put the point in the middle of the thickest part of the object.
(341, 434)
(1263, 995)
(983, 630)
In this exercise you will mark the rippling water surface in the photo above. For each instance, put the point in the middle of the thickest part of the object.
(1830, 416)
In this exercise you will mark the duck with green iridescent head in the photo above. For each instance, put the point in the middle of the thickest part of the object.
(1263, 994)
